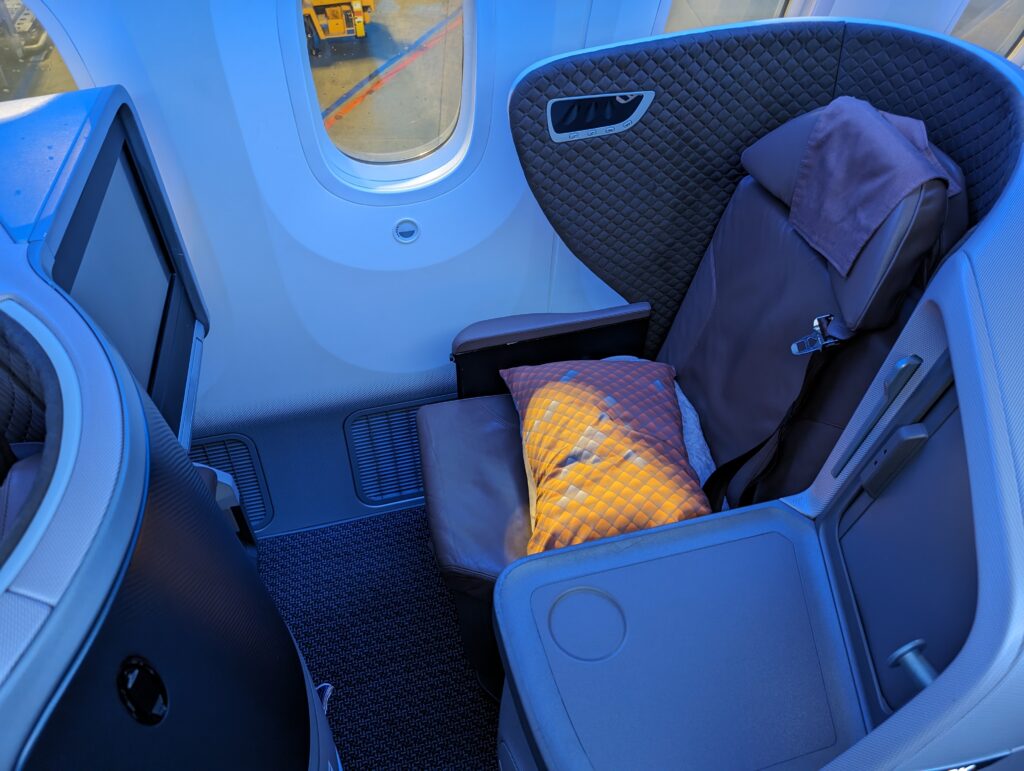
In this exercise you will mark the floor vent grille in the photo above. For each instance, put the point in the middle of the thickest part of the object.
(384, 448)
(237, 456)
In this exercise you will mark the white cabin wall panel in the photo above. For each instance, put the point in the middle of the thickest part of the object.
(936, 15)
(578, 288)
(166, 57)
(410, 315)
(384, 311)
(65, 45)
(136, 45)
(614, 20)
(312, 301)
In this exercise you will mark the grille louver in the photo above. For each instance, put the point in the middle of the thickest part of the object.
(384, 448)
(236, 456)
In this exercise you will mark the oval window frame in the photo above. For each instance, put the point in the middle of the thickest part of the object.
(435, 171)
(62, 42)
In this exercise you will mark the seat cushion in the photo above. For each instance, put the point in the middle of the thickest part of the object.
(477, 497)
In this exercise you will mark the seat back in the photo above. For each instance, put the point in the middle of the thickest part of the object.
(758, 289)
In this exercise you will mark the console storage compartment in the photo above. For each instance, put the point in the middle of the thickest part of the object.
(910, 558)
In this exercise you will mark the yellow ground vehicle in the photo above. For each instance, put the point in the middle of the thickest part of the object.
(330, 20)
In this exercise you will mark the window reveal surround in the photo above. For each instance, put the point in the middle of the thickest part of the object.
(406, 181)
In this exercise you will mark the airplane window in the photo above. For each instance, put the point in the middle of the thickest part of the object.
(997, 25)
(30, 64)
(691, 14)
(388, 74)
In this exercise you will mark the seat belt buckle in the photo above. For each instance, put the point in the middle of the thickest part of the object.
(819, 338)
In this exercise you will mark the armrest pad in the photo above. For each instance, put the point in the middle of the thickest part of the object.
(530, 326)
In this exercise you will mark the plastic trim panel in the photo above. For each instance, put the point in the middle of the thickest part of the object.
(646, 97)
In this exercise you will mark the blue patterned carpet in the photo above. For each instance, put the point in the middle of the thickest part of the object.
(366, 604)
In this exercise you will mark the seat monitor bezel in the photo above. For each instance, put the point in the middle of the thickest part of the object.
(182, 321)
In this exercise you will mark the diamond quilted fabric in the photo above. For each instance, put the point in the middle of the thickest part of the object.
(22, 412)
(971, 112)
(603, 450)
(639, 207)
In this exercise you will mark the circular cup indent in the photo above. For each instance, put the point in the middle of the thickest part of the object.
(587, 624)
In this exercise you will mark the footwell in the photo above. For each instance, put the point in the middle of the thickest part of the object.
(367, 607)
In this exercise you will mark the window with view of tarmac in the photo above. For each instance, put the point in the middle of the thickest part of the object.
(388, 74)
(30, 64)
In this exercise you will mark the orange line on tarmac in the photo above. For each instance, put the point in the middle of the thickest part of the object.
(377, 83)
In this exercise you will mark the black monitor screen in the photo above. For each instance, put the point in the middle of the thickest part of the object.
(114, 261)
(123, 278)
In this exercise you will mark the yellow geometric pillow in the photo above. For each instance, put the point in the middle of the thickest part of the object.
(603, 448)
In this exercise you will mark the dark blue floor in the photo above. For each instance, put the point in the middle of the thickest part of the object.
(366, 604)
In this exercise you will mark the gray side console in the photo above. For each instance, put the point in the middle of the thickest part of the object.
(717, 641)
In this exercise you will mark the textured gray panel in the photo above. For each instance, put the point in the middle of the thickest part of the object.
(384, 448)
(639, 208)
(971, 112)
(237, 456)
(22, 414)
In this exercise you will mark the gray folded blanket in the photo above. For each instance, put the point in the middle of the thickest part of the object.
(858, 165)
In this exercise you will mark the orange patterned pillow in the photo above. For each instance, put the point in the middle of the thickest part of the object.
(604, 450)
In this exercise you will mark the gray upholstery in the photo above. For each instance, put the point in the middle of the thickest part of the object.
(527, 326)
(15, 490)
(971, 112)
(758, 289)
(774, 159)
(751, 309)
(22, 411)
(639, 208)
(716, 92)
(737, 405)
(31, 413)
(869, 295)
(858, 165)
(477, 498)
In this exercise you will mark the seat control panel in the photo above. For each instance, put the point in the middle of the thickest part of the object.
(586, 117)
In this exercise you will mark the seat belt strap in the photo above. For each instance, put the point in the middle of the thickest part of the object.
(716, 485)
(817, 347)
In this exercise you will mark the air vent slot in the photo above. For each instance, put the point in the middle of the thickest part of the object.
(584, 117)
(383, 445)
(236, 455)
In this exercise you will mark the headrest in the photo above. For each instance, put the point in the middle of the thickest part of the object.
(773, 160)
(782, 157)
(868, 192)
(926, 222)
